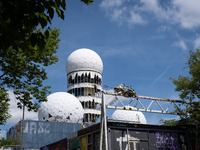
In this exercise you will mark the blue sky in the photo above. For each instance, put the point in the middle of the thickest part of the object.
(142, 43)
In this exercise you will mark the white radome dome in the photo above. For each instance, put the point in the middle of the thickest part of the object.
(84, 59)
(127, 115)
(61, 107)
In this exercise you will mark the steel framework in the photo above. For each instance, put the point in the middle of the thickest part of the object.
(139, 106)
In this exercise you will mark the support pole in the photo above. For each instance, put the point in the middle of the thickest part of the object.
(103, 130)
(22, 132)
(101, 126)
(105, 123)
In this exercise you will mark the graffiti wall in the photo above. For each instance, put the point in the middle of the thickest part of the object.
(123, 136)
(127, 139)
(146, 140)
(40, 133)
(132, 139)
(167, 140)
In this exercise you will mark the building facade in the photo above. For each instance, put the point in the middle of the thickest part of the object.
(130, 136)
(84, 80)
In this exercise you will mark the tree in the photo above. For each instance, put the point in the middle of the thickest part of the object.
(4, 106)
(24, 71)
(27, 46)
(19, 18)
(189, 89)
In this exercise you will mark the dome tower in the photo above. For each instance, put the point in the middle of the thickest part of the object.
(61, 107)
(84, 73)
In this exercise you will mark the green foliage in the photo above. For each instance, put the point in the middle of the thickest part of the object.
(24, 72)
(19, 18)
(88, 2)
(25, 49)
(172, 122)
(4, 105)
(189, 89)
(7, 142)
(27, 45)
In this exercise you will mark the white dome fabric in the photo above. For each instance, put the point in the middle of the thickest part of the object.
(61, 107)
(127, 115)
(84, 59)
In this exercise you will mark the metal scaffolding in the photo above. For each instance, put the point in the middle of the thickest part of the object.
(139, 106)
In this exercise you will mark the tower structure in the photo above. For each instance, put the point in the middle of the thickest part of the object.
(84, 76)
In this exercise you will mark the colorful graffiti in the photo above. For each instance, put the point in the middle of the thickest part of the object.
(167, 140)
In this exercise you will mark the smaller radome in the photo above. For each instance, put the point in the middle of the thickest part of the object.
(61, 107)
(130, 116)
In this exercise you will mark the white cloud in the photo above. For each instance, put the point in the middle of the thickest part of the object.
(120, 12)
(183, 12)
(164, 28)
(135, 18)
(187, 13)
(181, 44)
(117, 13)
(111, 3)
(2, 134)
(16, 112)
(197, 43)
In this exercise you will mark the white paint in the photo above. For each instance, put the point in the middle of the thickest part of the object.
(62, 107)
(128, 139)
(127, 115)
(34, 127)
(84, 60)
(43, 128)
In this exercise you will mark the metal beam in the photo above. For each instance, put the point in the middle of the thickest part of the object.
(164, 99)
(142, 110)
(152, 98)
(173, 103)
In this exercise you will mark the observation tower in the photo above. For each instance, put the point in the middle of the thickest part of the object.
(84, 70)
